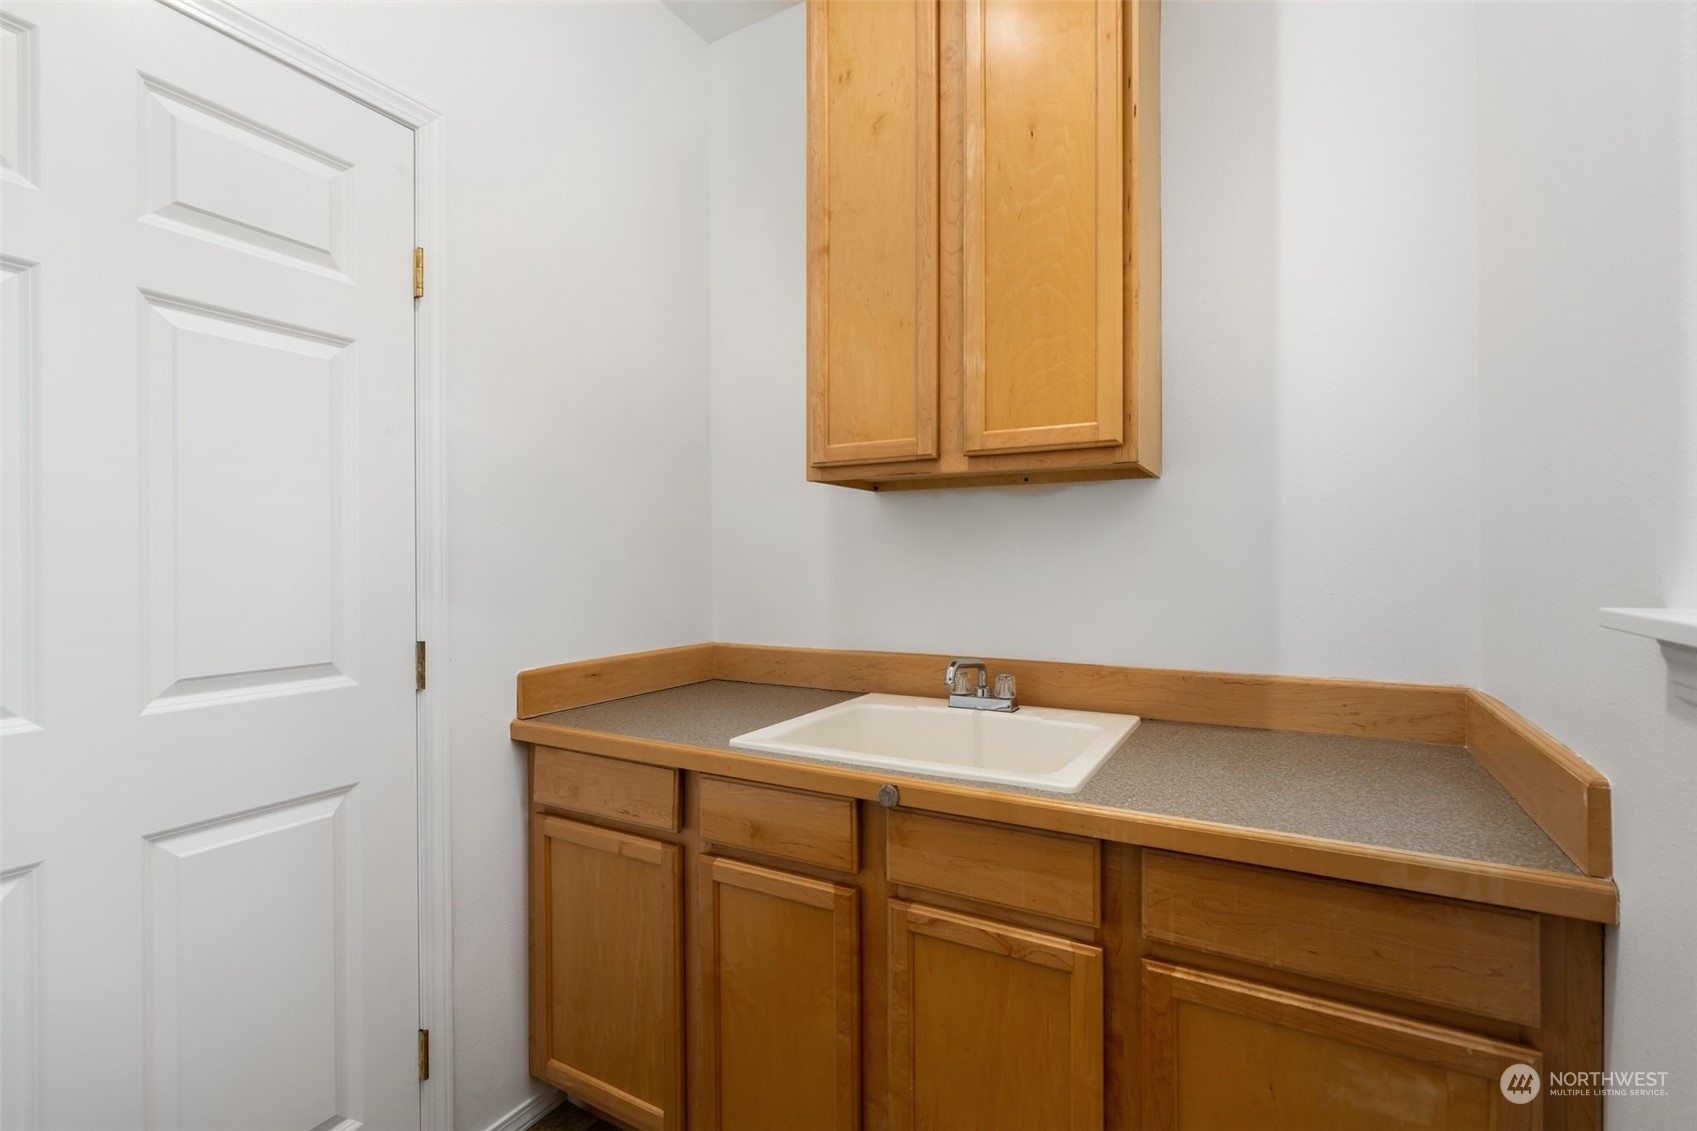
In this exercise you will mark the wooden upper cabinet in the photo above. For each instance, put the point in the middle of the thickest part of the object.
(984, 241)
(1041, 208)
(872, 231)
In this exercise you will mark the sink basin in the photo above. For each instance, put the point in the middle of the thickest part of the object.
(1040, 747)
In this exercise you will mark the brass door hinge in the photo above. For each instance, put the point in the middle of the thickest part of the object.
(418, 272)
(418, 664)
(424, 1054)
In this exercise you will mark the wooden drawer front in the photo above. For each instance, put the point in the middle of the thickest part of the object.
(606, 787)
(1043, 873)
(807, 827)
(1479, 959)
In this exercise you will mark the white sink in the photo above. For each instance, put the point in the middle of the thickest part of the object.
(1041, 747)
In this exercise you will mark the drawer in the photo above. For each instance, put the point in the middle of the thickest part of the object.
(606, 787)
(1042, 873)
(807, 827)
(1467, 956)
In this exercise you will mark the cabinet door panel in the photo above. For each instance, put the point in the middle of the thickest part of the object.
(872, 231)
(1222, 1052)
(1043, 273)
(991, 1026)
(606, 1017)
(778, 1023)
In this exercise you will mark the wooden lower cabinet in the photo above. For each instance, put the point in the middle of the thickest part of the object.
(991, 1026)
(1221, 1052)
(852, 966)
(606, 979)
(777, 1020)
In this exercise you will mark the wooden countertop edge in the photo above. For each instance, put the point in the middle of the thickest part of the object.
(560, 687)
(1529, 889)
(1563, 793)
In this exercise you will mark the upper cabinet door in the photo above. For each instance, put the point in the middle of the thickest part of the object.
(872, 231)
(1042, 272)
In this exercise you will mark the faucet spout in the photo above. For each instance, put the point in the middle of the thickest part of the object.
(962, 693)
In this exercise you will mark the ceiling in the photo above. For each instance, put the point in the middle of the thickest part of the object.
(713, 19)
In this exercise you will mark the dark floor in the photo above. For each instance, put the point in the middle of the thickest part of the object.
(566, 1117)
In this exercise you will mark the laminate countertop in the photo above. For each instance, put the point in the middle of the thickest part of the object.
(1382, 793)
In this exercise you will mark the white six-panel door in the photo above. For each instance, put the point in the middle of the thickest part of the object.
(208, 869)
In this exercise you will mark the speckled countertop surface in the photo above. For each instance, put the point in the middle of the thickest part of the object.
(1383, 792)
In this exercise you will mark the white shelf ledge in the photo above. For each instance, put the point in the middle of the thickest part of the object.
(1670, 626)
(1676, 630)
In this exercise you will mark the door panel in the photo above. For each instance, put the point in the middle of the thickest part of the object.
(248, 532)
(872, 223)
(235, 908)
(20, 485)
(779, 1016)
(992, 1026)
(214, 174)
(209, 771)
(20, 997)
(1222, 1052)
(1042, 279)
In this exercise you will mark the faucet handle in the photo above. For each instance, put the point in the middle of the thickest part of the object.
(959, 668)
(1005, 687)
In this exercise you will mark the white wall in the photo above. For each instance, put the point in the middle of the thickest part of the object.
(1317, 515)
(577, 391)
(1588, 259)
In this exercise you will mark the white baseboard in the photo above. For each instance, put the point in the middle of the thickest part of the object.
(527, 1113)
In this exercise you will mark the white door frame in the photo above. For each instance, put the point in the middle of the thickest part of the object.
(435, 874)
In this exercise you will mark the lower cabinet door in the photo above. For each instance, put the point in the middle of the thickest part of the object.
(606, 1020)
(1221, 1052)
(991, 1026)
(777, 1026)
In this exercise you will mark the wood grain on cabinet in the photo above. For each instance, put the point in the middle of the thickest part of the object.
(1042, 269)
(1224, 1052)
(872, 231)
(1041, 873)
(1123, 948)
(606, 787)
(1466, 956)
(777, 1022)
(1048, 299)
(606, 972)
(991, 1027)
(1571, 1036)
(1141, 321)
(811, 828)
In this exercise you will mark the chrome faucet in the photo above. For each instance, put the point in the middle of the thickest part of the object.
(962, 692)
